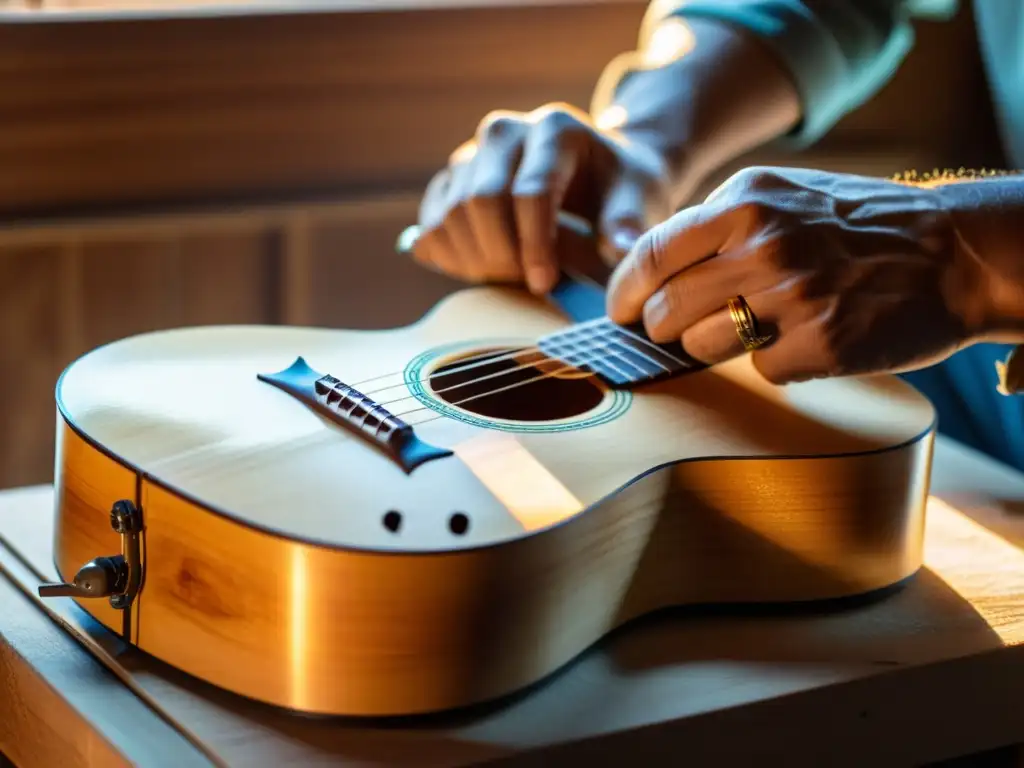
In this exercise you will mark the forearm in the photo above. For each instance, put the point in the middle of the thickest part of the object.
(988, 225)
(702, 94)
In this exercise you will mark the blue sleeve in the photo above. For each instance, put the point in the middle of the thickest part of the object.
(839, 52)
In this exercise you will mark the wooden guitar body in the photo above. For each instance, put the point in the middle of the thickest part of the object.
(284, 558)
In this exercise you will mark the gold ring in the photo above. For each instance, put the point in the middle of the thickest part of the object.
(746, 325)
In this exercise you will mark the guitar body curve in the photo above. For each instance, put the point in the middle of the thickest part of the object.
(288, 560)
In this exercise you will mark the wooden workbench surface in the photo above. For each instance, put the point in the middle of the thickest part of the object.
(932, 671)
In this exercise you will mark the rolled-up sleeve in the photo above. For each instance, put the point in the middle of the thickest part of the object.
(839, 52)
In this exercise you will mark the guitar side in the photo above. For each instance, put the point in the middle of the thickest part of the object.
(337, 630)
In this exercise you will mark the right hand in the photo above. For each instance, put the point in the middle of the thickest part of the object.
(491, 214)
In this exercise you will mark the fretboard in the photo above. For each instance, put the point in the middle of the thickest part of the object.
(621, 356)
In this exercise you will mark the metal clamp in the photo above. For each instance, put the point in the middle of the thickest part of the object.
(118, 577)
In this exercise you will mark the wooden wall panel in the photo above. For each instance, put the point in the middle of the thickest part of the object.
(228, 278)
(127, 288)
(126, 112)
(360, 282)
(30, 361)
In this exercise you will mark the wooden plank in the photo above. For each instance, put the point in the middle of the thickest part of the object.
(59, 706)
(931, 672)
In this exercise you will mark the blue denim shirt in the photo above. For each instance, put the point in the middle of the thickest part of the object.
(840, 53)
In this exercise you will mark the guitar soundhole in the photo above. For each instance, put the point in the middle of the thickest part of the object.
(504, 384)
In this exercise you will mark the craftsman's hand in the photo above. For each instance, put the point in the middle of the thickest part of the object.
(490, 215)
(851, 275)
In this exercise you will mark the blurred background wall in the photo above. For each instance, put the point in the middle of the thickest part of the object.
(177, 165)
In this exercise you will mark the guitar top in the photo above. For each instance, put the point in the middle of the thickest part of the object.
(490, 419)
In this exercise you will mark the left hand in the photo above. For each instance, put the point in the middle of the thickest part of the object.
(851, 275)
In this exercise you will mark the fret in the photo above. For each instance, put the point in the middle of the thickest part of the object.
(586, 358)
(621, 356)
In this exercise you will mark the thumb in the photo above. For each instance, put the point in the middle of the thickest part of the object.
(622, 221)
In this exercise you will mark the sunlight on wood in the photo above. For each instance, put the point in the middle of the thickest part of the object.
(530, 492)
(955, 545)
(299, 625)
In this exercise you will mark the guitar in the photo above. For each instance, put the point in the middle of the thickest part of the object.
(412, 520)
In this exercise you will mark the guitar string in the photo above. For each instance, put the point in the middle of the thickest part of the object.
(482, 357)
(565, 357)
(382, 422)
(587, 374)
(604, 334)
(491, 392)
(504, 372)
(479, 356)
(610, 343)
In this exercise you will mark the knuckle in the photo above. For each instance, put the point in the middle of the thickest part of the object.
(773, 254)
(760, 177)
(557, 120)
(747, 183)
(652, 253)
(557, 113)
(798, 291)
(498, 124)
(738, 184)
(754, 213)
(771, 370)
(463, 153)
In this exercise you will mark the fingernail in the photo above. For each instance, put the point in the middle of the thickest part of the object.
(624, 240)
(655, 310)
(540, 278)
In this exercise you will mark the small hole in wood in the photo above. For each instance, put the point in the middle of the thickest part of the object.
(393, 521)
(458, 523)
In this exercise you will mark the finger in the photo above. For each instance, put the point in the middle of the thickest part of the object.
(465, 251)
(703, 290)
(714, 339)
(434, 201)
(489, 197)
(623, 219)
(687, 238)
(434, 250)
(804, 355)
(551, 157)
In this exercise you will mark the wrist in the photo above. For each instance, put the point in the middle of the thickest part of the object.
(699, 93)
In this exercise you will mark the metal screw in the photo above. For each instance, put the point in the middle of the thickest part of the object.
(123, 518)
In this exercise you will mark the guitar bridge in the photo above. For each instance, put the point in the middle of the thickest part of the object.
(359, 413)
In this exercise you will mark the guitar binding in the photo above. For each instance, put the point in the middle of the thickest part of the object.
(349, 408)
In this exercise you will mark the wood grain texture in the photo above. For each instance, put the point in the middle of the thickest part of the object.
(281, 105)
(38, 725)
(58, 705)
(83, 494)
(111, 113)
(31, 358)
(929, 673)
(711, 488)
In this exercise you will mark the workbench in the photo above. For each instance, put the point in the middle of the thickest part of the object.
(931, 671)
